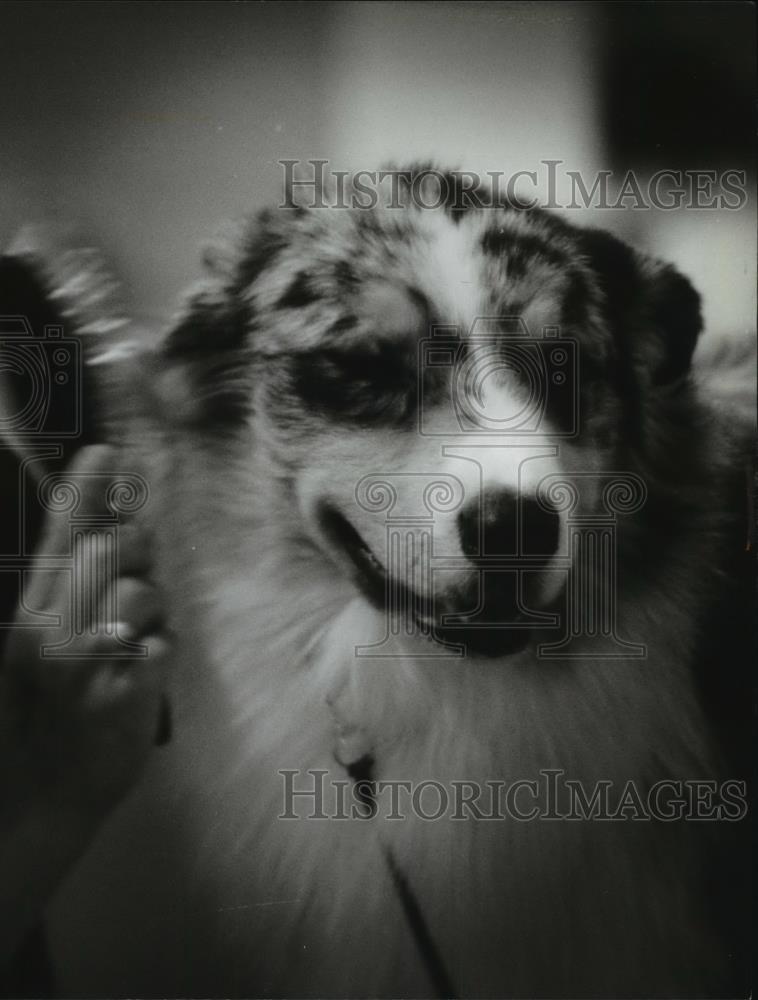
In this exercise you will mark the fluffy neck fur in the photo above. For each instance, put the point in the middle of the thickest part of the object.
(284, 630)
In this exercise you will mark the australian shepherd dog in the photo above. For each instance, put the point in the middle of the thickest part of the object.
(453, 537)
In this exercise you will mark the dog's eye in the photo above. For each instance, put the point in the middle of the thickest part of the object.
(374, 383)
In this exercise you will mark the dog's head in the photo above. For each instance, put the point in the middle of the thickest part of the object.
(424, 384)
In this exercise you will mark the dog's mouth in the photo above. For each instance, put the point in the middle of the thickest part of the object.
(369, 573)
(436, 619)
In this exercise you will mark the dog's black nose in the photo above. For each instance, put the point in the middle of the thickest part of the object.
(540, 529)
(498, 523)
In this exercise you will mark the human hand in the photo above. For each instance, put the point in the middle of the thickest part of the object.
(79, 729)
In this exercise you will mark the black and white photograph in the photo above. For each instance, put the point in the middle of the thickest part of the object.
(377, 499)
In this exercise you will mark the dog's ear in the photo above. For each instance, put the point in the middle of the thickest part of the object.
(203, 375)
(206, 358)
(648, 303)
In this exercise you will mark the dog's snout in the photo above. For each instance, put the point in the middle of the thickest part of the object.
(497, 522)
(487, 524)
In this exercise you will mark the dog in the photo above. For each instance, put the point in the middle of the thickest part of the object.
(442, 510)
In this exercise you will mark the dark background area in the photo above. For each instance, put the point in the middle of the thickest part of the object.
(147, 125)
(678, 85)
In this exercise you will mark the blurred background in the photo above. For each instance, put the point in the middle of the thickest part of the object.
(149, 124)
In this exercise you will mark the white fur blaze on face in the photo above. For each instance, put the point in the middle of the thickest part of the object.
(447, 271)
(515, 464)
(386, 503)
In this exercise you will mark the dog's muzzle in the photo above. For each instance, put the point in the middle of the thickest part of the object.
(504, 543)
